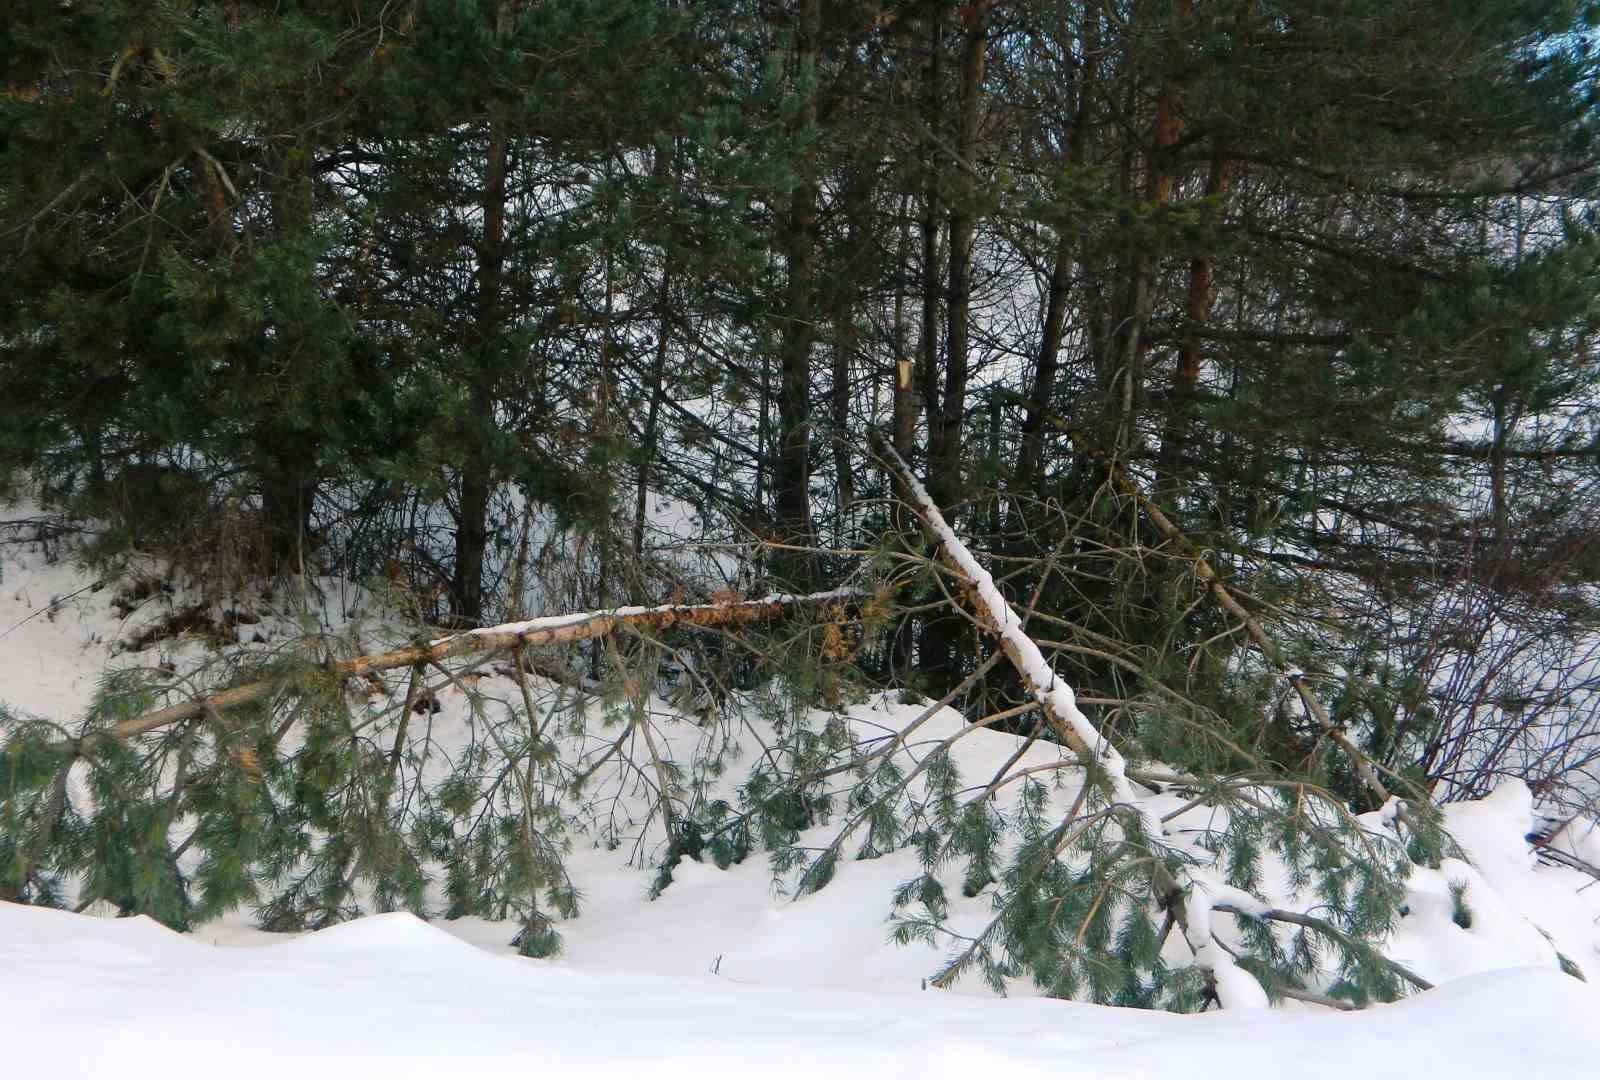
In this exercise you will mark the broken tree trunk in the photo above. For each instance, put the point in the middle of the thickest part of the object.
(549, 630)
(1190, 903)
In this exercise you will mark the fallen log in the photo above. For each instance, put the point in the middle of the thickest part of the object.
(549, 630)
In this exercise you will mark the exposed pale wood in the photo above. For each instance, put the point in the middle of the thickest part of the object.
(554, 630)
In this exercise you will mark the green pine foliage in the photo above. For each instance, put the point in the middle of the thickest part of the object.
(432, 292)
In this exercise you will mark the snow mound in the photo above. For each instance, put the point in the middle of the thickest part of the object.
(395, 932)
(390, 995)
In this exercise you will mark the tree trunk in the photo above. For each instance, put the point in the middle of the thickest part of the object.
(1055, 313)
(1186, 378)
(477, 471)
(905, 435)
(792, 477)
(662, 169)
(945, 425)
(287, 471)
(1045, 368)
(287, 451)
(1165, 129)
(944, 452)
(855, 267)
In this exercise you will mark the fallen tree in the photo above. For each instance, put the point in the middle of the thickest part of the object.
(1189, 895)
(291, 789)
(489, 640)
(288, 792)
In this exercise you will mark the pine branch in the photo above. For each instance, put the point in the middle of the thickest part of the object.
(1190, 907)
(1228, 602)
(1328, 930)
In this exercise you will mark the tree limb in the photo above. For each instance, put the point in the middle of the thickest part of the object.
(550, 630)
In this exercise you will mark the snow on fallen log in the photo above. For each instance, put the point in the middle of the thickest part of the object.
(549, 630)
(1191, 906)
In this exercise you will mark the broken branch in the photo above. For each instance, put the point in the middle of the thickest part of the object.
(550, 630)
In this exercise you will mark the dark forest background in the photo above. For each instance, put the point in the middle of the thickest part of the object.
(1317, 278)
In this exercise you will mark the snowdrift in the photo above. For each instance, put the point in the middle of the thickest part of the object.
(390, 995)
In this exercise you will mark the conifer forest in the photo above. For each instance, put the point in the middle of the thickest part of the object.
(1203, 393)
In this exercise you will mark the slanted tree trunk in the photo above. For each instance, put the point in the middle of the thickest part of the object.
(508, 637)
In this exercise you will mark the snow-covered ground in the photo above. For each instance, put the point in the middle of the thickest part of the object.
(392, 996)
(720, 976)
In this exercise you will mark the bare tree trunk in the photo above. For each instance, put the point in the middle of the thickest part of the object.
(944, 451)
(1059, 705)
(477, 479)
(946, 424)
(1055, 314)
(288, 452)
(1046, 366)
(855, 200)
(658, 366)
(550, 630)
(792, 477)
(1124, 388)
(1186, 378)
(905, 430)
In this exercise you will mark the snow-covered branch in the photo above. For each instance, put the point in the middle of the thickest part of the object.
(550, 630)
(1191, 902)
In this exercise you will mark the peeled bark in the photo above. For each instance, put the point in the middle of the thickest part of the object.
(550, 630)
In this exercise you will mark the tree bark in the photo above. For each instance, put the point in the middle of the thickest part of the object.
(477, 471)
(662, 169)
(1186, 377)
(287, 452)
(905, 436)
(1047, 364)
(550, 630)
(945, 424)
(798, 240)
(856, 265)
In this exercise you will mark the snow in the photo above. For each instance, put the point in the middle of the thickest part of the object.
(723, 975)
(394, 996)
